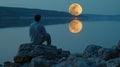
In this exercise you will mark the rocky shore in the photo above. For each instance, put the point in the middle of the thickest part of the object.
(30, 55)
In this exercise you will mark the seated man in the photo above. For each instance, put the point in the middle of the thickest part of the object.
(38, 33)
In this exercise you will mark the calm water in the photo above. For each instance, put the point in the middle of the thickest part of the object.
(103, 33)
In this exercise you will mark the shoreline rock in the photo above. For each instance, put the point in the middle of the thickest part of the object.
(30, 55)
(91, 51)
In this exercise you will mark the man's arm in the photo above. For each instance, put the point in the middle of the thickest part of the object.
(43, 30)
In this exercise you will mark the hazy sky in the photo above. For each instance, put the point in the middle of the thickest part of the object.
(89, 6)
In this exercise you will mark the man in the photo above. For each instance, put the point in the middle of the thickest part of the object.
(38, 33)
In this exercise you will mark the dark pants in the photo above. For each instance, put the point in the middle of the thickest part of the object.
(47, 38)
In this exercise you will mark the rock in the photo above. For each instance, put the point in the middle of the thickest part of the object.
(113, 62)
(10, 64)
(1, 65)
(77, 54)
(26, 46)
(117, 48)
(28, 51)
(25, 49)
(51, 52)
(74, 61)
(63, 54)
(61, 60)
(41, 62)
(30, 55)
(19, 59)
(24, 52)
(114, 47)
(91, 51)
(98, 62)
(107, 53)
(25, 65)
(15, 65)
(118, 45)
(7, 64)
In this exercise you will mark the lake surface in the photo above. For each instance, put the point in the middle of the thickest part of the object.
(103, 33)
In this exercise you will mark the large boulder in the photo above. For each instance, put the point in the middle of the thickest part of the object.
(50, 52)
(28, 51)
(91, 51)
(24, 52)
(107, 53)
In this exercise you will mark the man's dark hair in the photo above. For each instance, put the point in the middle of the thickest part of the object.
(37, 17)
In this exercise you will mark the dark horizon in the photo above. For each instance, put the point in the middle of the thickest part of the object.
(21, 17)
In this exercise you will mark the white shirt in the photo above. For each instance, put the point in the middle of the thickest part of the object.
(37, 31)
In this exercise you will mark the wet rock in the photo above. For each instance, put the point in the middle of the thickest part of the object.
(10, 64)
(7, 64)
(91, 51)
(77, 54)
(98, 62)
(15, 65)
(113, 62)
(107, 53)
(63, 54)
(41, 62)
(49, 52)
(25, 65)
(30, 55)
(74, 61)
(117, 47)
(21, 59)
(25, 49)
(1, 65)
(26, 46)
(28, 51)
(24, 52)
(61, 60)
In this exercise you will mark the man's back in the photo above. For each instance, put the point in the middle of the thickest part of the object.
(37, 31)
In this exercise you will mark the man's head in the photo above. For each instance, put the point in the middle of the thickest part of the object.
(37, 17)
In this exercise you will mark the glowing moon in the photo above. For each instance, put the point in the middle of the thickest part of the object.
(75, 26)
(75, 9)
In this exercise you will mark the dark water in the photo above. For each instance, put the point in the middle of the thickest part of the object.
(104, 33)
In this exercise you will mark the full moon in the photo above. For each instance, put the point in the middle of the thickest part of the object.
(75, 9)
(75, 26)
